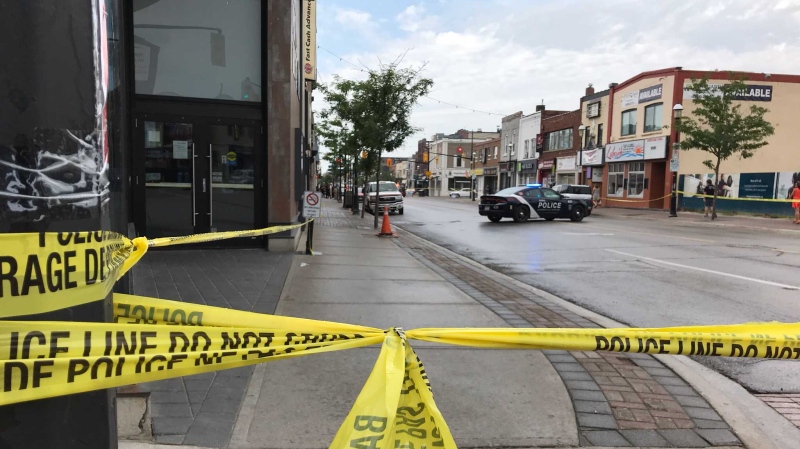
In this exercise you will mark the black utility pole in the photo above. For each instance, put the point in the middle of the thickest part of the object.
(65, 92)
(677, 112)
(472, 192)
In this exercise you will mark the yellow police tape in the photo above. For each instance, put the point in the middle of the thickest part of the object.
(766, 200)
(42, 272)
(153, 339)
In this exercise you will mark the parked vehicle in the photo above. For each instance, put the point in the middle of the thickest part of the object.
(579, 192)
(524, 202)
(460, 193)
(390, 197)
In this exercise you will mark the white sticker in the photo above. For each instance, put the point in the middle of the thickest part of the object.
(180, 149)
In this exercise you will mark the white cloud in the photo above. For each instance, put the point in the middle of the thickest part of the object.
(508, 56)
(354, 18)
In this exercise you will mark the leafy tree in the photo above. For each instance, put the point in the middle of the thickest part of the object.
(371, 115)
(719, 127)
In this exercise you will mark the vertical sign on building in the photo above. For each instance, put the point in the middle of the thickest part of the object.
(296, 58)
(309, 40)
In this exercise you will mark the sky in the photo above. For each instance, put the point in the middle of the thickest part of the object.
(503, 56)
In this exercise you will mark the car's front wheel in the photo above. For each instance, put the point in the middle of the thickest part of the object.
(495, 218)
(577, 214)
(401, 212)
(521, 214)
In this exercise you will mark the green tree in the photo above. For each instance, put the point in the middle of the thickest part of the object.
(719, 127)
(374, 113)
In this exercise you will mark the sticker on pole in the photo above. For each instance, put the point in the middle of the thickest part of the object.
(311, 205)
(674, 165)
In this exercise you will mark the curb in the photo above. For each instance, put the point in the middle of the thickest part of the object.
(754, 422)
(708, 224)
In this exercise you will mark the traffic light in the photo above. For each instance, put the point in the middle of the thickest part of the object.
(425, 157)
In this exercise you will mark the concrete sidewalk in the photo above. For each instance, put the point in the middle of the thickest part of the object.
(490, 398)
(691, 219)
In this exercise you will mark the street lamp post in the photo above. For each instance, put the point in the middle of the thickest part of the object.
(472, 193)
(677, 113)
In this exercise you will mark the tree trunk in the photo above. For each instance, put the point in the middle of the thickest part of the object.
(377, 189)
(716, 188)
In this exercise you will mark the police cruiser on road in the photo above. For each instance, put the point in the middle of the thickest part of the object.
(532, 201)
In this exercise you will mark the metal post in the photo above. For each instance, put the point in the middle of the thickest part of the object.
(673, 197)
(47, 46)
(472, 193)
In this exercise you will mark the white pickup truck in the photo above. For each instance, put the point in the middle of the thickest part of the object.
(390, 197)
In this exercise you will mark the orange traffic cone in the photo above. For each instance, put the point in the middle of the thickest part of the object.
(386, 228)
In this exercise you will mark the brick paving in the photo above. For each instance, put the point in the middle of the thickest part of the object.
(787, 405)
(620, 400)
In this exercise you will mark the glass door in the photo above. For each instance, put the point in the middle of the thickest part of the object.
(233, 172)
(172, 171)
(193, 176)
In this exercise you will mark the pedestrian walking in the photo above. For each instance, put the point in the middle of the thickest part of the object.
(794, 194)
(708, 191)
(596, 197)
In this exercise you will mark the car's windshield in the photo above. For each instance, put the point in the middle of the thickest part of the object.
(510, 191)
(385, 186)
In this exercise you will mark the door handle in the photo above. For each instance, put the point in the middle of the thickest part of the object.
(194, 180)
(204, 185)
(211, 193)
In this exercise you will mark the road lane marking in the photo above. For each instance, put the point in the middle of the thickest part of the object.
(652, 235)
(585, 233)
(689, 267)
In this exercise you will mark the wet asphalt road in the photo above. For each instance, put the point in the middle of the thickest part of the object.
(644, 273)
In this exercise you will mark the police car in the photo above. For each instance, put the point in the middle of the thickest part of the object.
(532, 201)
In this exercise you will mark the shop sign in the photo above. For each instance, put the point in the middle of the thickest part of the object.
(490, 171)
(565, 163)
(625, 151)
(597, 174)
(592, 157)
(528, 166)
(630, 99)
(545, 165)
(756, 185)
(504, 167)
(650, 93)
(655, 148)
(751, 92)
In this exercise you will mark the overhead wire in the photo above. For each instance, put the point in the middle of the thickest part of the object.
(364, 70)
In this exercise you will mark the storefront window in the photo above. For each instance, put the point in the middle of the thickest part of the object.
(198, 48)
(629, 122)
(616, 176)
(636, 179)
(652, 117)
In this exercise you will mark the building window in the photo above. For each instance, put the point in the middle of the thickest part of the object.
(636, 179)
(616, 176)
(526, 149)
(600, 135)
(652, 117)
(629, 122)
(168, 40)
(559, 140)
(593, 110)
(513, 142)
(458, 160)
(495, 152)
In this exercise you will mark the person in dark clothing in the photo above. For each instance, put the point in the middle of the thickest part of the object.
(709, 199)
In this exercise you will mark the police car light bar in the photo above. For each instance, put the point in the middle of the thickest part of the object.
(533, 185)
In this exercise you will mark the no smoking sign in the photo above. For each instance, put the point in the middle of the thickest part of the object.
(311, 206)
